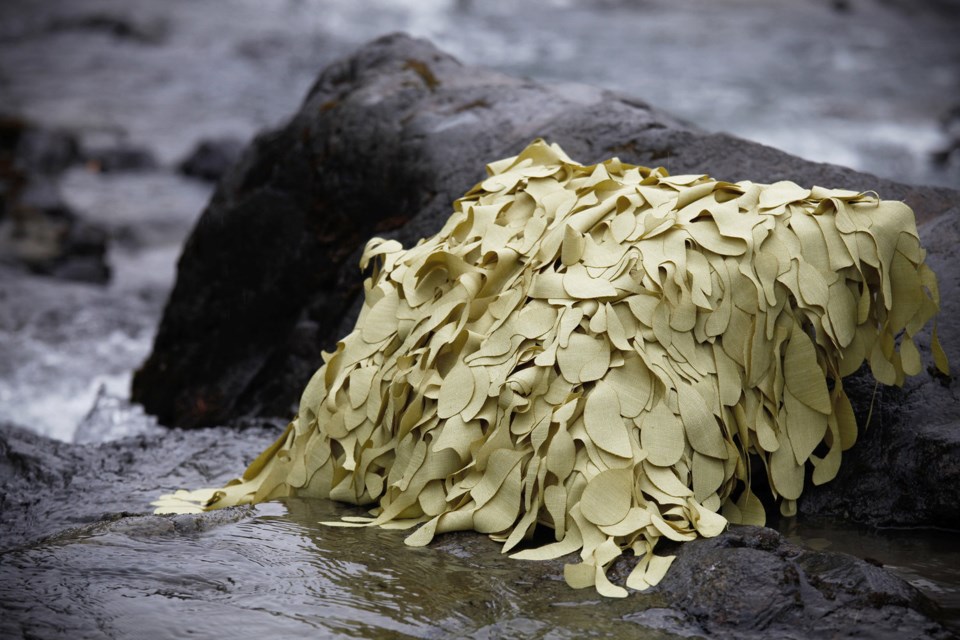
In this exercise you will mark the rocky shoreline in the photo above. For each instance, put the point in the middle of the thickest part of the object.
(68, 510)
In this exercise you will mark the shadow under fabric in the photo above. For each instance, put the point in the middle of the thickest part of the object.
(599, 349)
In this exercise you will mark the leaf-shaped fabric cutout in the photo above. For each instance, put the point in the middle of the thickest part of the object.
(381, 322)
(606, 499)
(601, 416)
(700, 425)
(707, 523)
(632, 384)
(662, 436)
(707, 475)
(666, 480)
(456, 391)
(561, 455)
(579, 284)
(584, 359)
(805, 426)
(802, 375)
(502, 509)
(636, 519)
(785, 474)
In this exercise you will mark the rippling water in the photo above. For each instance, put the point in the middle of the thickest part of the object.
(274, 571)
(927, 559)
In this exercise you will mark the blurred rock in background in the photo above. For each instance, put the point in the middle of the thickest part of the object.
(38, 230)
(211, 158)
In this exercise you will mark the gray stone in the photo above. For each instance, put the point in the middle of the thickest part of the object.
(750, 582)
(120, 158)
(38, 150)
(119, 26)
(113, 418)
(47, 485)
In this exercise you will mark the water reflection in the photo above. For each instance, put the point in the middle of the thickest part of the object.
(927, 559)
(274, 570)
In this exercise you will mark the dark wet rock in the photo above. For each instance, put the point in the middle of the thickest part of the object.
(27, 151)
(41, 233)
(947, 157)
(751, 583)
(905, 468)
(211, 158)
(841, 6)
(75, 523)
(384, 143)
(120, 158)
(83, 255)
(31, 149)
(47, 486)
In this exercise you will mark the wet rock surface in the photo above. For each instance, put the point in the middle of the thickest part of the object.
(49, 486)
(76, 536)
(904, 469)
(753, 580)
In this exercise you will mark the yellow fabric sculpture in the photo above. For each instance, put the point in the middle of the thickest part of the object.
(598, 349)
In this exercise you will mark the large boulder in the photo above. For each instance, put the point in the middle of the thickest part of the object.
(383, 144)
(81, 558)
